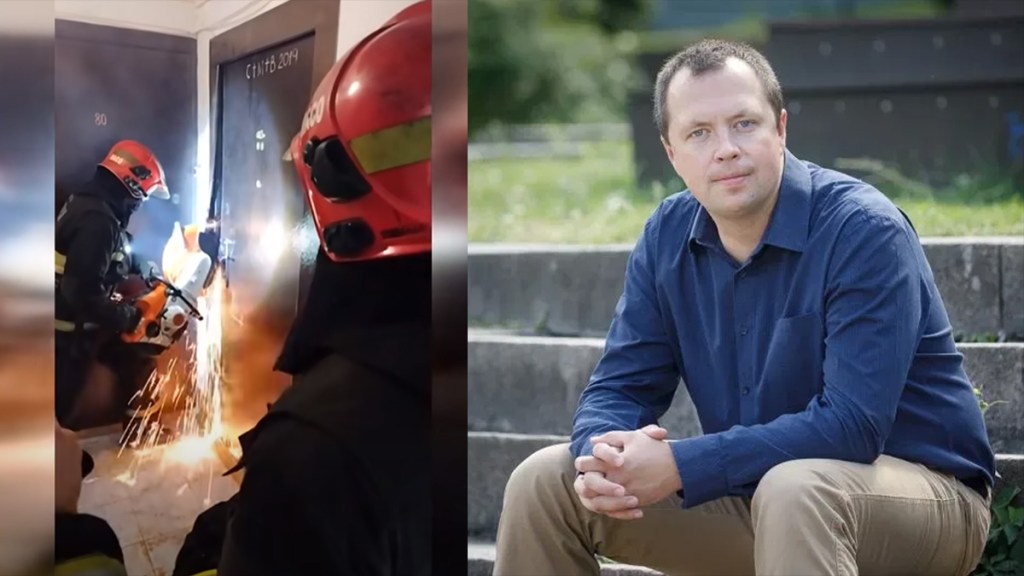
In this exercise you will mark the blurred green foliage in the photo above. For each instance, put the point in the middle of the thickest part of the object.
(564, 61)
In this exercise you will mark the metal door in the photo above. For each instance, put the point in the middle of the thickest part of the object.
(113, 84)
(263, 98)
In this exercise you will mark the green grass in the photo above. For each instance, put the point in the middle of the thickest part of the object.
(592, 199)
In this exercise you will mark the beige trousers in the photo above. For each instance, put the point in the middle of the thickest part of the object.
(807, 517)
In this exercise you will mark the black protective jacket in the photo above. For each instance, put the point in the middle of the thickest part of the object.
(337, 474)
(92, 257)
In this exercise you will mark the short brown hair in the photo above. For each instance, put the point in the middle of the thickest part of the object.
(710, 56)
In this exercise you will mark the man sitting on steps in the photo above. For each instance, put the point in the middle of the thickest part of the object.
(841, 435)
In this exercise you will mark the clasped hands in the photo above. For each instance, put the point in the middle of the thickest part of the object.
(628, 470)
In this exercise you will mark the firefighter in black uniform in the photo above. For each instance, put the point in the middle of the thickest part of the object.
(92, 257)
(337, 473)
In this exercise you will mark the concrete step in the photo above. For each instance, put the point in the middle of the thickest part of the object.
(493, 456)
(531, 385)
(572, 289)
(481, 563)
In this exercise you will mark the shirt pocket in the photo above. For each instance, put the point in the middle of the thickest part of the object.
(793, 368)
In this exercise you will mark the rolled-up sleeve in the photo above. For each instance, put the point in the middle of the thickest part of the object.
(636, 378)
(873, 312)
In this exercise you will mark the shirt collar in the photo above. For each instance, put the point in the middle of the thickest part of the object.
(790, 222)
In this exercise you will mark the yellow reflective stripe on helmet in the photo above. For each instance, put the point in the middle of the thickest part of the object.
(92, 565)
(393, 147)
(59, 262)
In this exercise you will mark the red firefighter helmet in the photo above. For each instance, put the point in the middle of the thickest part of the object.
(138, 169)
(363, 151)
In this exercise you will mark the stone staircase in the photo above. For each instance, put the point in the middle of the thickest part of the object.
(539, 314)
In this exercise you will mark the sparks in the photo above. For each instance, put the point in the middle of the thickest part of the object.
(203, 408)
(199, 423)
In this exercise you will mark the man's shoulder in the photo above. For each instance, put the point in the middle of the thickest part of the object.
(97, 226)
(840, 199)
(89, 222)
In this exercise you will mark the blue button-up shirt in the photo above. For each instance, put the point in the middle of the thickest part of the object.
(831, 341)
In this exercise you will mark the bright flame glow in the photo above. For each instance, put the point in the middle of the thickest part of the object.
(174, 253)
(272, 242)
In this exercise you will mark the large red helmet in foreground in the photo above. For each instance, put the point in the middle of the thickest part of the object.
(363, 152)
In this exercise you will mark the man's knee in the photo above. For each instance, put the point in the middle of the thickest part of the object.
(542, 475)
(795, 485)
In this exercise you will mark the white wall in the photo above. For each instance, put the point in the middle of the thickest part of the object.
(357, 18)
(164, 16)
(180, 17)
(204, 19)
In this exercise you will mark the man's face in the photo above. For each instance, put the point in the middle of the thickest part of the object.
(723, 140)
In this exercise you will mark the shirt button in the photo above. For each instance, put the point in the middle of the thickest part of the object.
(746, 390)
(743, 274)
(743, 330)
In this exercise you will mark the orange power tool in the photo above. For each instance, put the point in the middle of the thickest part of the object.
(169, 304)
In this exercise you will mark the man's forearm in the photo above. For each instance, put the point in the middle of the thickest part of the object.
(633, 383)
(726, 463)
(605, 411)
